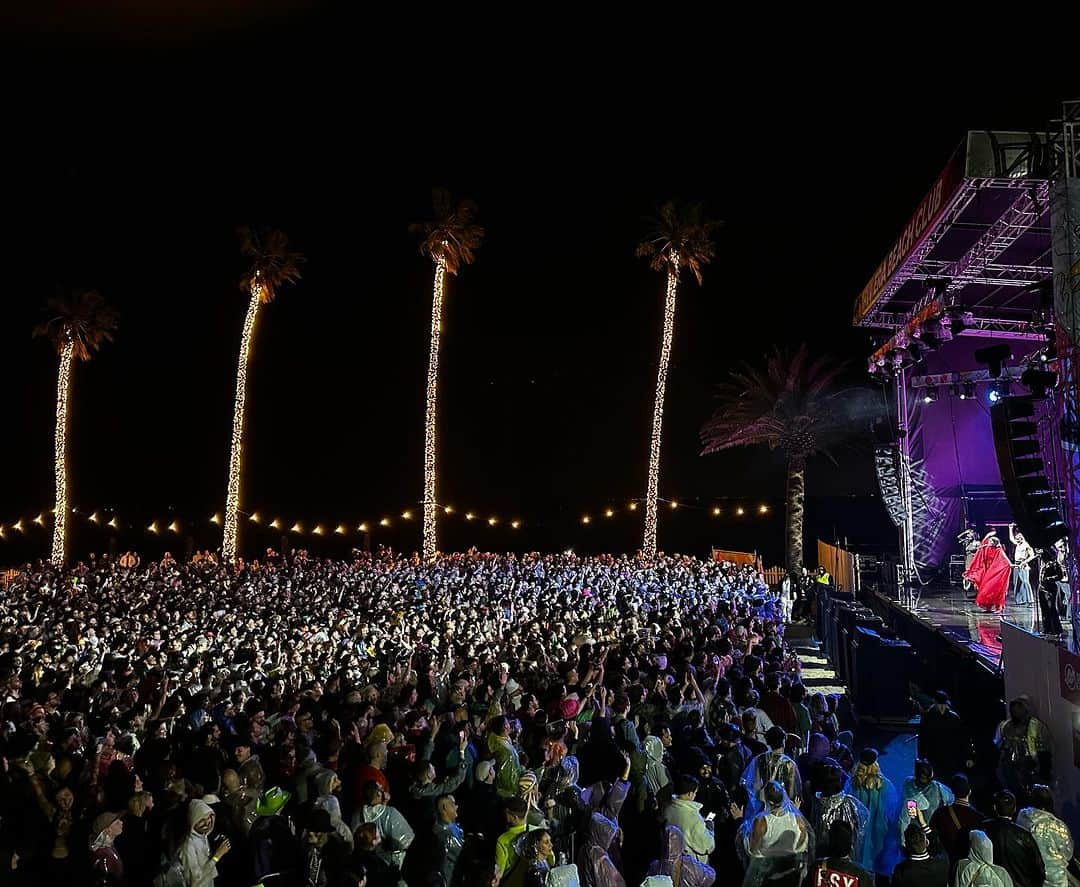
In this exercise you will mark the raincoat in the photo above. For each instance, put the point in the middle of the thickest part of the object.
(594, 864)
(656, 773)
(1055, 843)
(836, 808)
(881, 844)
(769, 766)
(508, 767)
(928, 798)
(978, 870)
(787, 848)
(328, 801)
(394, 830)
(199, 869)
(680, 866)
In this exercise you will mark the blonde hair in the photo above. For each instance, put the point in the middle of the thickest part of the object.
(867, 776)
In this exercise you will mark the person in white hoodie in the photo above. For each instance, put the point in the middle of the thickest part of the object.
(199, 865)
(685, 813)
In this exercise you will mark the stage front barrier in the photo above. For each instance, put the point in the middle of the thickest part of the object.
(1050, 678)
(874, 665)
(839, 563)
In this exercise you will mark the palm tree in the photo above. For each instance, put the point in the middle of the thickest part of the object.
(272, 266)
(80, 324)
(681, 238)
(449, 239)
(794, 405)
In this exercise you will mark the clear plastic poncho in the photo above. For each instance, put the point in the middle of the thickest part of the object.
(786, 844)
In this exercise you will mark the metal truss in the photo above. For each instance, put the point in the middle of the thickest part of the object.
(979, 264)
(1024, 212)
(980, 326)
(991, 275)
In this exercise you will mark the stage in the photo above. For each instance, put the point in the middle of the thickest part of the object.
(951, 612)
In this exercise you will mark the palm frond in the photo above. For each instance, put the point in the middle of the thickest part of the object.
(81, 318)
(793, 403)
(451, 236)
(683, 231)
(273, 264)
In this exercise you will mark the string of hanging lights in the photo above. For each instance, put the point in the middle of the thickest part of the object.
(176, 526)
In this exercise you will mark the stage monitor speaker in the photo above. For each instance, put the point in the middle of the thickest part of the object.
(1023, 472)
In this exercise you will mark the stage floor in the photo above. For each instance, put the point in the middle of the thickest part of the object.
(954, 613)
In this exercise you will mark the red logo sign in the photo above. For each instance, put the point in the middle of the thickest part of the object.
(829, 878)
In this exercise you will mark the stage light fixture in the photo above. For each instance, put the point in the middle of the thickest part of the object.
(958, 319)
(967, 392)
(930, 394)
(1038, 381)
(998, 390)
(994, 357)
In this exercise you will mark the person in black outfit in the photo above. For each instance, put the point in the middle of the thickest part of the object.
(922, 866)
(943, 738)
(840, 840)
(1051, 572)
(1014, 847)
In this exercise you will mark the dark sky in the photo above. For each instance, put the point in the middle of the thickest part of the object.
(135, 150)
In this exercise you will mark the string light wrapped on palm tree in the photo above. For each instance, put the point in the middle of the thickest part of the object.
(81, 323)
(681, 238)
(449, 239)
(794, 405)
(272, 266)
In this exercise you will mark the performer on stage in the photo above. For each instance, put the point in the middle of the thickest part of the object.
(990, 570)
(970, 543)
(1051, 575)
(1023, 555)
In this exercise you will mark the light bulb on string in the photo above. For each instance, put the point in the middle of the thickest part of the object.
(363, 528)
(174, 527)
(254, 518)
(716, 511)
(275, 523)
(340, 529)
(385, 522)
(297, 528)
(40, 520)
(515, 524)
(153, 528)
(609, 513)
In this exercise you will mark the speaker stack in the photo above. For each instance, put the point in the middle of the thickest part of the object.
(1023, 473)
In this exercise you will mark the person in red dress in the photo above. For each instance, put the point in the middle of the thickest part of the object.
(990, 571)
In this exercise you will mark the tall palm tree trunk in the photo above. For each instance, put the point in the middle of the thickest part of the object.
(648, 546)
(796, 498)
(63, 394)
(231, 539)
(430, 536)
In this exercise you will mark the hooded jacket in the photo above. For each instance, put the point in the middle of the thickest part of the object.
(680, 866)
(199, 867)
(507, 765)
(978, 870)
(1055, 843)
(328, 801)
(656, 774)
(594, 862)
(395, 831)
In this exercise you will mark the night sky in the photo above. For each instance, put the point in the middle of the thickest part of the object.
(135, 152)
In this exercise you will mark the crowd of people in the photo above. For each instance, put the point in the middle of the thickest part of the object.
(479, 720)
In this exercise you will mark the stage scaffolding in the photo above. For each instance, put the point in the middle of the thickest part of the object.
(992, 252)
